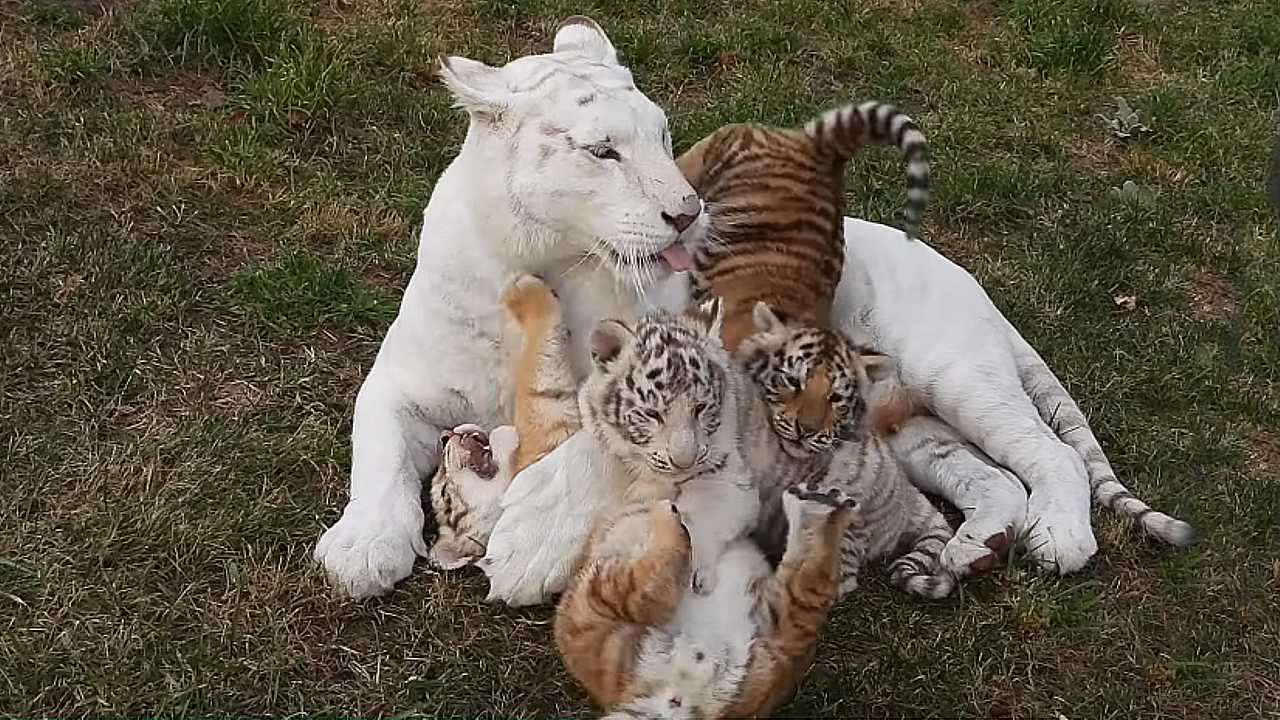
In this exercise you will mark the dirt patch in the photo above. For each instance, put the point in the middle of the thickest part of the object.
(168, 92)
(1262, 452)
(979, 19)
(1140, 61)
(905, 7)
(1212, 296)
(960, 244)
(1106, 157)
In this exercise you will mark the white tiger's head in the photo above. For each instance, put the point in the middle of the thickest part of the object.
(584, 156)
(661, 396)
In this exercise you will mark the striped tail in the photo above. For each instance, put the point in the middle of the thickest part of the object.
(844, 130)
(1061, 413)
(920, 571)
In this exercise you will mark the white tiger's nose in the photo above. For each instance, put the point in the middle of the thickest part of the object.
(690, 207)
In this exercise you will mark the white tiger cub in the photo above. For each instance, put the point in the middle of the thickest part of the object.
(662, 406)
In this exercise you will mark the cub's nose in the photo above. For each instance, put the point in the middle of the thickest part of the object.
(690, 206)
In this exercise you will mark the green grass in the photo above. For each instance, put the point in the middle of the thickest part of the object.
(207, 211)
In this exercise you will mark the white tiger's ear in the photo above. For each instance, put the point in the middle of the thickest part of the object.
(477, 88)
(764, 317)
(608, 340)
(583, 35)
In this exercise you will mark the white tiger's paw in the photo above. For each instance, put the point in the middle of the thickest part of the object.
(372, 546)
(972, 551)
(1059, 535)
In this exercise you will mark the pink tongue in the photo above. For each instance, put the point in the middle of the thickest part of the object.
(676, 257)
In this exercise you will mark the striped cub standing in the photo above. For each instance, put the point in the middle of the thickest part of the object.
(774, 198)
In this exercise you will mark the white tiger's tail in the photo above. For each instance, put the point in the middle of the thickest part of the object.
(844, 130)
(1061, 413)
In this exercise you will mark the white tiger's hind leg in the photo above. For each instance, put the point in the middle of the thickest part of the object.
(986, 404)
(994, 503)
(1058, 409)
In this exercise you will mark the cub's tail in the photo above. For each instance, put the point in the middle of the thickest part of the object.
(1061, 413)
(844, 130)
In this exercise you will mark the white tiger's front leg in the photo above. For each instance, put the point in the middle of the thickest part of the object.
(988, 406)
(716, 512)
(375, 542)
(939, 461)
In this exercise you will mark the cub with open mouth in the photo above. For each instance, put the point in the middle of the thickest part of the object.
(466, 491)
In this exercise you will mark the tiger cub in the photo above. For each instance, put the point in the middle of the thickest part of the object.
(773, 226)
(644, 646)
(661, 404)
(833, 439)
(476, 469)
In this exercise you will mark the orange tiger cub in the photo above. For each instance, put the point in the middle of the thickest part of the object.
(644, 645)
(546, 404)
(773, 227)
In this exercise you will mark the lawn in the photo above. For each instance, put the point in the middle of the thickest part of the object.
(208, 211)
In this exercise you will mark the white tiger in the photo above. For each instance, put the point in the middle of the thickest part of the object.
(566, 171)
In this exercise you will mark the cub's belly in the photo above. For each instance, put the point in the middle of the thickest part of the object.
(723, 619)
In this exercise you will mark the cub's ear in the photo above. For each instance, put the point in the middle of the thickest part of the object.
(708, 316)
(476, 87)
(765, 319)
(583, 35)
(608, 341)
(879, 368)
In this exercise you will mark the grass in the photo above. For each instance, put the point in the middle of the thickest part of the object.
(207, 210)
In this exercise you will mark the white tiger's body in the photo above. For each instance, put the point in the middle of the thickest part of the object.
(960, 357)
(494, 215)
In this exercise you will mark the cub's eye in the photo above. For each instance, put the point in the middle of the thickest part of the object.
(700, 408)
(792, 382)
(604, 152)
(653, 415)
(835, 398)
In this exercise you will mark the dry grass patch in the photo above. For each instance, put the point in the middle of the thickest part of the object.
(1213, 297)
(1262, 453)
(1139, 60)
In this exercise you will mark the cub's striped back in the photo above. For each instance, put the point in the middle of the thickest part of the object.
(774, 209)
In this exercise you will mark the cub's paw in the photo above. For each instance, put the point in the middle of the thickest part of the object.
(665, 522)
(810, 502)
(528, 299)
(372, 547)
(969, 554)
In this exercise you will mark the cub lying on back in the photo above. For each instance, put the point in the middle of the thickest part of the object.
(644, 646)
